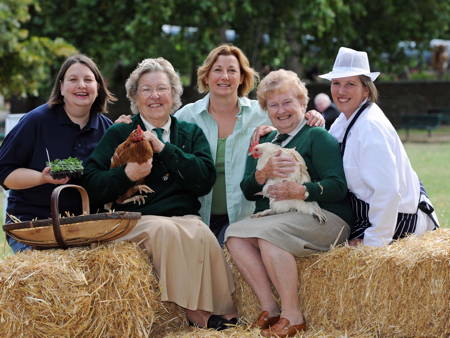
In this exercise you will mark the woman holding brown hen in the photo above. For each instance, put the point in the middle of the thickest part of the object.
(190, 263)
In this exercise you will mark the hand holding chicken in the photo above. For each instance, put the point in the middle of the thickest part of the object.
(283, 172)
(136, 152)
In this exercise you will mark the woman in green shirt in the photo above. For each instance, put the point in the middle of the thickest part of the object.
(264, 249)
(189, 262)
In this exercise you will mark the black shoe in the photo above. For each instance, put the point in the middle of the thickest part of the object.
(232, 321)
(214, 322)
(217, 323)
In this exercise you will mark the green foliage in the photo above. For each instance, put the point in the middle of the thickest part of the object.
(378, 28)
(25, 59)
(431, 164)
(296, 34)
(68, 165)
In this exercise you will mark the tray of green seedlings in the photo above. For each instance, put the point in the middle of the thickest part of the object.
(70, 167)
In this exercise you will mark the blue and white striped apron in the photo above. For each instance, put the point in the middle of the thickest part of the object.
(406, 223)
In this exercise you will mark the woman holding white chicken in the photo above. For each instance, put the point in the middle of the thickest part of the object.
(264, 249)
(387, 197)
(228, 118)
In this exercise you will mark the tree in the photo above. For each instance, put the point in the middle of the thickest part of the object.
(25, 59)
(385, 28)
(303, 35)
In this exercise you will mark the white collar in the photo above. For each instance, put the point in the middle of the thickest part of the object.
(293, 132)
(340, 125)
(204, 103)
(166, 127)
(354, 113)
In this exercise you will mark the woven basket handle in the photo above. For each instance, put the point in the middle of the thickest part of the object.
(54, 208)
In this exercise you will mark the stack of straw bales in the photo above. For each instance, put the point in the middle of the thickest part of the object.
(402, 290)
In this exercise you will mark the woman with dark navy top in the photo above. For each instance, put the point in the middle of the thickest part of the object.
(69, 124)
(387, 197)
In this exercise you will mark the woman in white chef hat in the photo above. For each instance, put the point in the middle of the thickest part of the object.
(387, 197)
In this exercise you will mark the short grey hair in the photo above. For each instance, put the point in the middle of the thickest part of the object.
(154, 65)
(322, 97)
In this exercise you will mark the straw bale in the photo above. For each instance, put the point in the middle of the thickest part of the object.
(106, 291)
(402, 290)
(246, 332)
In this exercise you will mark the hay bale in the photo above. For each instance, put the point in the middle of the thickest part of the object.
(246, 332)
(106, 291)
(402, 290)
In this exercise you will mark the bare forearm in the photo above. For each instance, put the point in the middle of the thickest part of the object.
(24, 178)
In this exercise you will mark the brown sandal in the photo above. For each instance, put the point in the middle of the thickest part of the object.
(264, 321)
(282, 329)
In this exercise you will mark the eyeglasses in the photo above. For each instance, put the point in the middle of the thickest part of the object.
(274, 106)
(160, 90)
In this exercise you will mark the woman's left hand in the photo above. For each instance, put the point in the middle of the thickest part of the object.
(314, 118)
(260, 132)
(157, 145)
(287, 190)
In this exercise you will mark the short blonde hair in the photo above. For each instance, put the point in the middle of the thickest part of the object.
(249, 75)
(149, 66)
(281, 80)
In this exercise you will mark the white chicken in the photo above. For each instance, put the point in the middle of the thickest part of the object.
(264, 152)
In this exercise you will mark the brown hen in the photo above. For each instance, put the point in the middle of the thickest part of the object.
(134, 149)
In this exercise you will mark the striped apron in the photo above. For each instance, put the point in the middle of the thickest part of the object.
(406, 223)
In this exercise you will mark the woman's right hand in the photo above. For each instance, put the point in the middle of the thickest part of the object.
(47, 178)
(123, 119)
(280, 165)
(136, 171)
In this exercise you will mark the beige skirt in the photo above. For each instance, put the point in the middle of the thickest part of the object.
(299, 234)
(190, 263)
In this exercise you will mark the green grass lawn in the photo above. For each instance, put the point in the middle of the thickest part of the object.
(430, 160)
(432, 163)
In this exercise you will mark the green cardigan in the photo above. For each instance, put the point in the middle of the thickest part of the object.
(181, 172)
(321, 153)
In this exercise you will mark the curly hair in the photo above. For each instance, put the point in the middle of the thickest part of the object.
(154, 65)
(279, 80)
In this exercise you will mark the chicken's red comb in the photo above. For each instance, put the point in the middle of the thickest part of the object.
(252, 147)
(138, 134)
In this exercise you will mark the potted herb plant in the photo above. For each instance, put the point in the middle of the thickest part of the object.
(70, 167)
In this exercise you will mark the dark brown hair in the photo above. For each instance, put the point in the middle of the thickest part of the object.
(104, 95)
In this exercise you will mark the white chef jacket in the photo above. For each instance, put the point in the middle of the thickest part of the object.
(378, 172)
